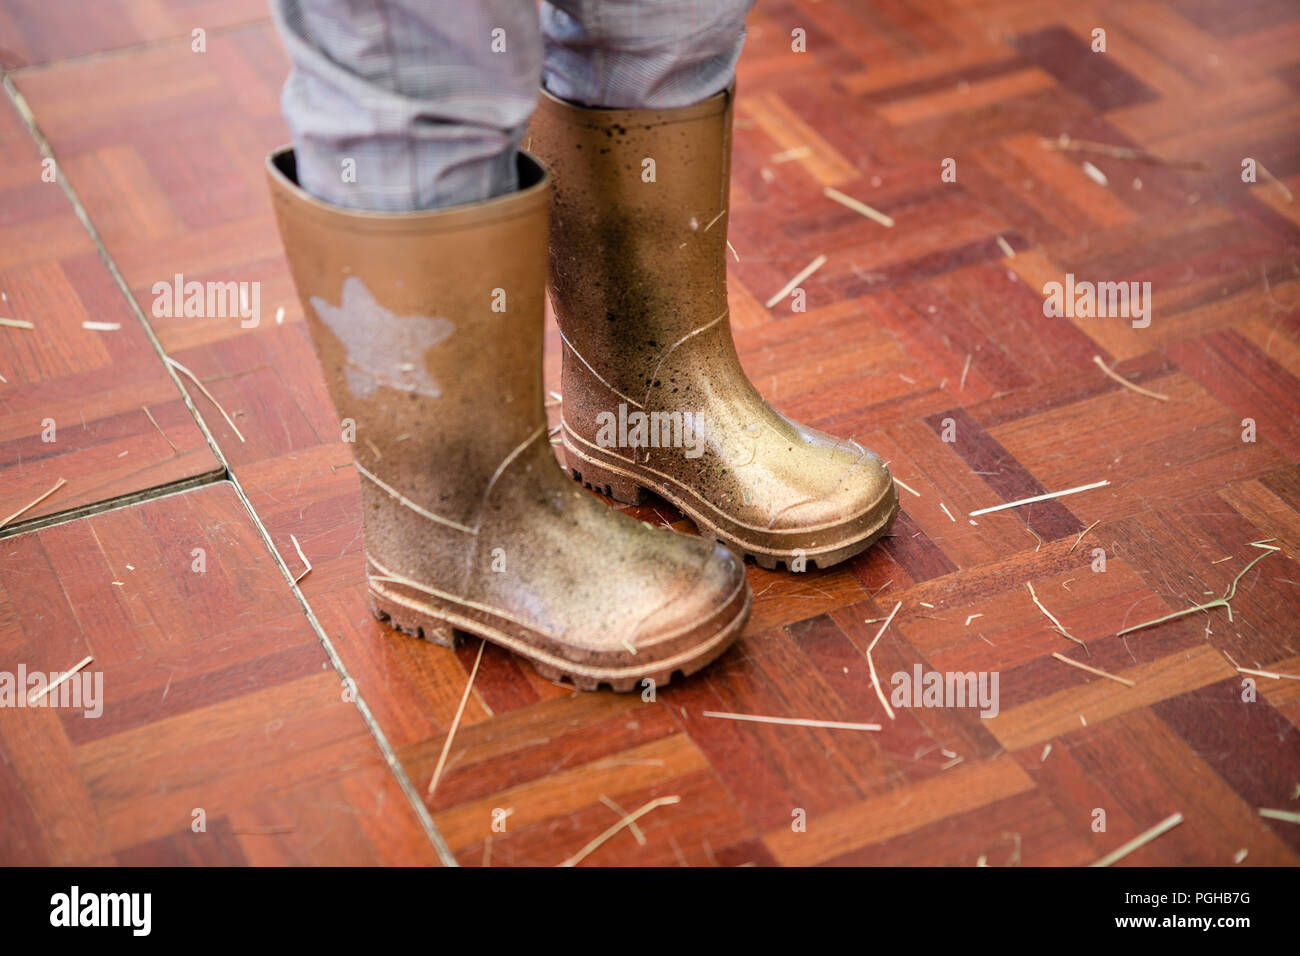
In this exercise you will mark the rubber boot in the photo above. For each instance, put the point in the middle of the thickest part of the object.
(638, 282)
(428, 327)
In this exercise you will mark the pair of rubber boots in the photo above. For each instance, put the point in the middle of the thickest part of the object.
(429, 329)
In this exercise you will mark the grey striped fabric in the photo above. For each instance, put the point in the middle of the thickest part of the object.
(397, 105)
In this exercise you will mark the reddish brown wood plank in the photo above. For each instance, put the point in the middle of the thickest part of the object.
(932, 319)
(74, 402)
(227, 740)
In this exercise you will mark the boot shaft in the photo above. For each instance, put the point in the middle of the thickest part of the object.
(428, 327)
(638, 228)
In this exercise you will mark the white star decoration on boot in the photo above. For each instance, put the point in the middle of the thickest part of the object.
(383, 349)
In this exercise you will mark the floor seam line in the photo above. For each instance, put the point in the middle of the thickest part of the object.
(381, 739)
(92, 509)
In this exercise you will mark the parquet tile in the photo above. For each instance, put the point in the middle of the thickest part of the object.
(75, 403)
(216, 696)
(927, 341)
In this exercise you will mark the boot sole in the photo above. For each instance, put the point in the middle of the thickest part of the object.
(446, 627)
(631, 489)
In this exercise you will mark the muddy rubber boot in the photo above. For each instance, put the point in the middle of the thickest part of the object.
(428, 327)
(638, 282)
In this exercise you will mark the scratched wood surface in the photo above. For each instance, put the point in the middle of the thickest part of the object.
(932, 327)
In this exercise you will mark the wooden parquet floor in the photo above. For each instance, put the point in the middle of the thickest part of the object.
(299, 730)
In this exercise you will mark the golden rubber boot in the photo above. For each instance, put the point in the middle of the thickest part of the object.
(638, 282)
(428, 327)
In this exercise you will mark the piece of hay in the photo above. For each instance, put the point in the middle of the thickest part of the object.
(1081, 534)
(455, 723)
(1006, 248)
(1046, 750)
(972, 617)
(1269, 674)
(37, 696)
(792, 721)
(1037, 498)
(875, 215)
(1059, 627)
(798, 152)
(149, 415)
(632, 827)
(202, 388)
(1100, 363)
(965, 370)
(1289, 816)
(28, 507)
(908, 488)
(1164, 826)
(1036, 536)
(626, 821)
(1274, 180)
(793, 284)
(298, 548)
(1224, 601)
(1065, 144)
(1095, 174)
(871, 665)
(16, 324)
(947, 512)
(733, 250)
(1092, 670)
(101, 326)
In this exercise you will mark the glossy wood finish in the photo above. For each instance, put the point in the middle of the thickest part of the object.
(75, 403)
(907, 328)
(217, 697)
